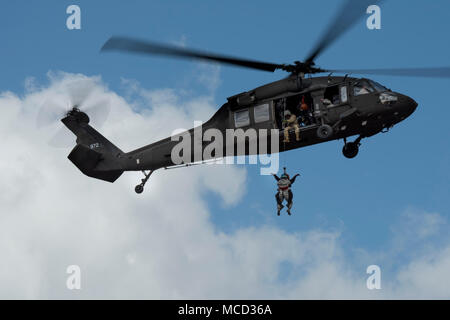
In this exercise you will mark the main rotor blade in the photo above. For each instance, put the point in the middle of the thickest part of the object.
(145, 47)
(434, 72)
(347, 16)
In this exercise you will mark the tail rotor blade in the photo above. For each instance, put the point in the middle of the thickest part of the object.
(63, 138)
(49, 113)
(79, 91)
(98, 112)
(79, 95)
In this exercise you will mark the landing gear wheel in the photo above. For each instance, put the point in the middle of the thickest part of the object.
(324, 131)
(350, 149)
(139, 188)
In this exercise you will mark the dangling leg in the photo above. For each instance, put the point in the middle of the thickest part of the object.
(289, 200)
(279, 202)
(286, 134)
(297, 132)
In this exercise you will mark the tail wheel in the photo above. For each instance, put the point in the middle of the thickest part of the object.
(139, 188)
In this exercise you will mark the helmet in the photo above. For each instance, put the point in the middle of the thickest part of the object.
(287, 113)
(284, 175)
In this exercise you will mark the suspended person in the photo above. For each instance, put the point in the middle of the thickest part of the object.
(284, 191)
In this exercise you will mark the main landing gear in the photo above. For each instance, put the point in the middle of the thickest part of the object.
(350, 149)
(140, 187)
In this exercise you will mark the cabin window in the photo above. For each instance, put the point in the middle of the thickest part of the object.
(332, 94)
(361, 88)
(241, 118)
(344, 94)
(261, 113)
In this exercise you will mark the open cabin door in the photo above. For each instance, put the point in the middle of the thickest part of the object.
(336, 103)
(300, 105)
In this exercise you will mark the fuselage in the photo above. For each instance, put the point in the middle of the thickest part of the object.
(350, 106)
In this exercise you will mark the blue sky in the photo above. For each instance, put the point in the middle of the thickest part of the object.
(405, 169)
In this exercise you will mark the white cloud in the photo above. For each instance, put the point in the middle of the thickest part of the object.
(426, 278)
(161, 244)
(420, 225)
(209, 75)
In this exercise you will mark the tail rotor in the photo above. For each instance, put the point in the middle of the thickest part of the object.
(79, 100)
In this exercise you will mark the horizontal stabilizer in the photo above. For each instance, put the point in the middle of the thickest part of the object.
(87, 161)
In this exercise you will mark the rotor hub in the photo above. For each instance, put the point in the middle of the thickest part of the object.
(79, 115)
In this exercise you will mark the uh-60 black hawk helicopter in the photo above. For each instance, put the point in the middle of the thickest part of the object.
(334, 107)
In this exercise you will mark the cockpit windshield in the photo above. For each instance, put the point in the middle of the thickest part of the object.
(362, 87)
(378, 87)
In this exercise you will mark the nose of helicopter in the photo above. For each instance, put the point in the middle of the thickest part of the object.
(410, 105)
(406, 106)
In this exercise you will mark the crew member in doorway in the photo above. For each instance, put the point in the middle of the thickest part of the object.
(290, 122)
(305, 112)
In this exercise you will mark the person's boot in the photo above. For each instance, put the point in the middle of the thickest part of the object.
(289, 209)
(280, 206)
(297, 136)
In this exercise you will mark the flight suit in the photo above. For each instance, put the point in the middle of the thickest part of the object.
(291, 123)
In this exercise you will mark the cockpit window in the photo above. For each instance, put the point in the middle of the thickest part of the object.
(362, 87)
(378, 87)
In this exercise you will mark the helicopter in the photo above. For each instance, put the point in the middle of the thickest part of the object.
(337, 107)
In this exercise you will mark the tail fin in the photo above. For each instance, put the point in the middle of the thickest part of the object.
(94, 155)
